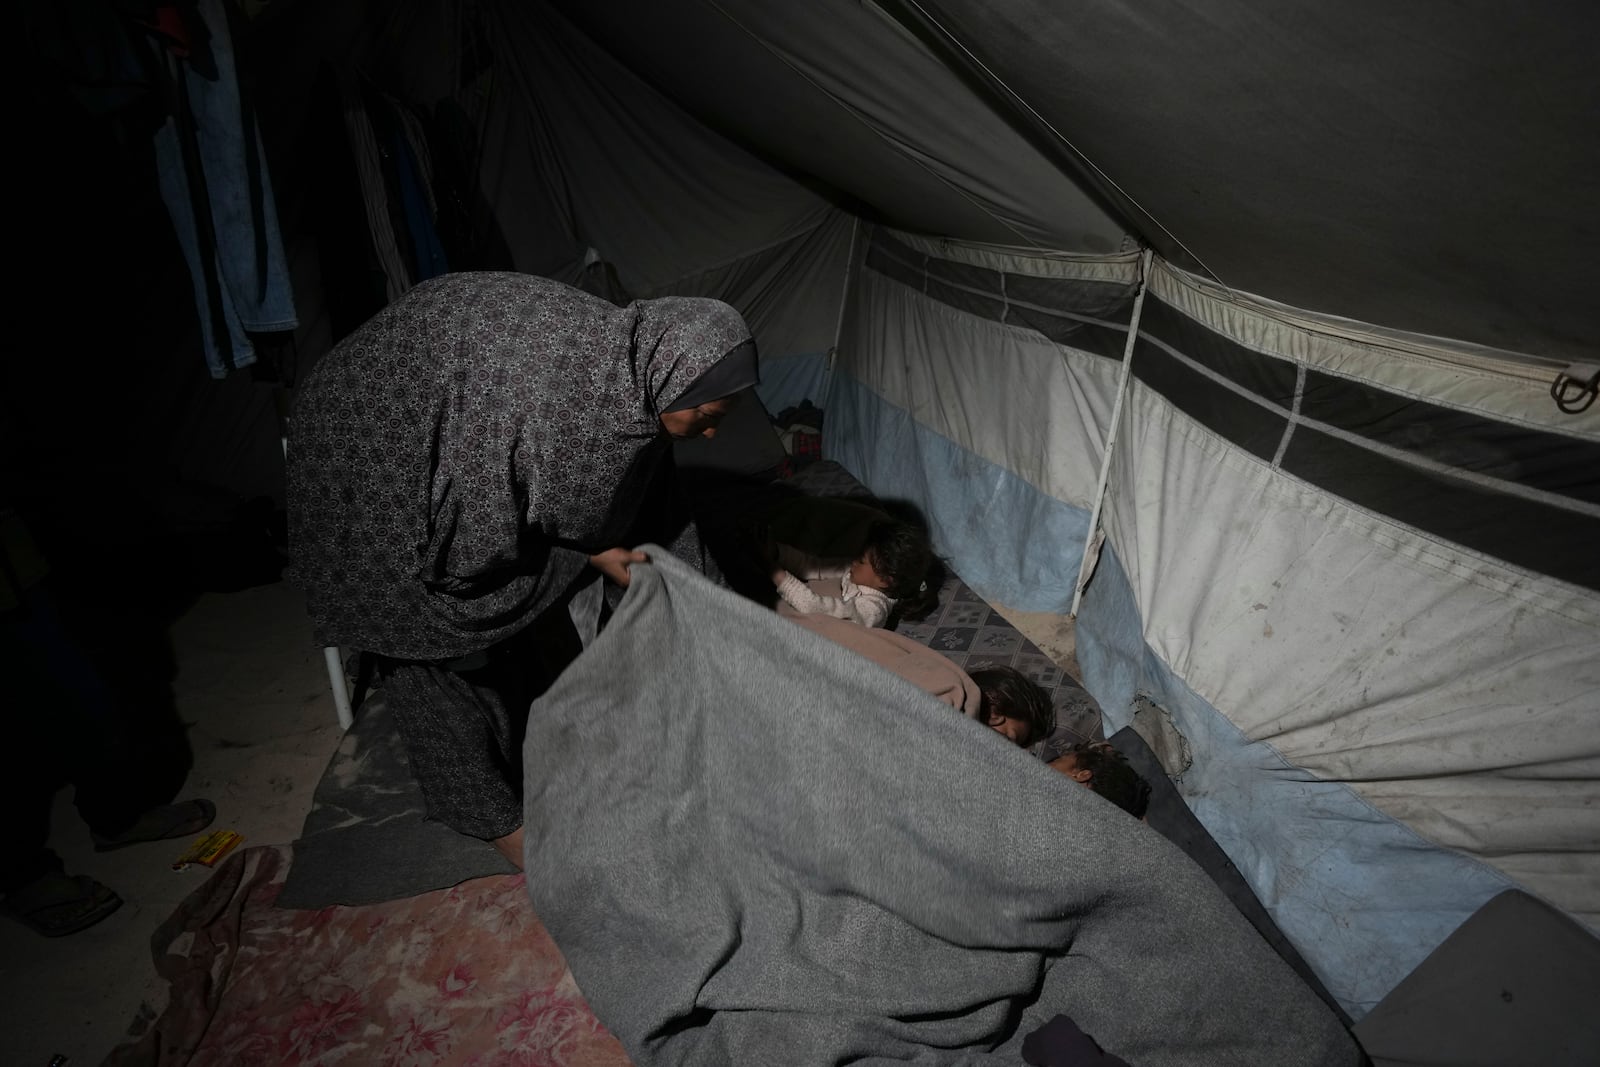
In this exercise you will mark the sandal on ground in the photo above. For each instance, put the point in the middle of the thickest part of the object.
(59, 904)
(160, 824)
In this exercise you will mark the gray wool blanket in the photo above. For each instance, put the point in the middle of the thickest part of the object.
(755, 847)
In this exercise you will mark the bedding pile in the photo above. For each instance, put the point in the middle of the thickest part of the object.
(751, 847)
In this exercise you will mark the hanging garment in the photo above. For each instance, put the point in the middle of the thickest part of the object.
(466, 225)
(364, 146)
(213, 178)
(354, 286)
(412, 208)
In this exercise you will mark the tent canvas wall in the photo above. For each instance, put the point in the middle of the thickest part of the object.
(1353, 561)
(1390, 720)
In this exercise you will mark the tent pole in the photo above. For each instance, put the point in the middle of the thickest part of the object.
(1093, 539)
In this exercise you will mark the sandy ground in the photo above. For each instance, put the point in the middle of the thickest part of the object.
(254, 690)
(1052, 633)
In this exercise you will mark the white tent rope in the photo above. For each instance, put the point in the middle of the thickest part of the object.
(1091, 548)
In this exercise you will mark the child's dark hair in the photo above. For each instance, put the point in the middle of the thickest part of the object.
(1007, 691)
(900, 553)
(1112, 777)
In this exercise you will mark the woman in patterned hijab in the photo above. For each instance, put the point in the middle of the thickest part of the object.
(459, 463)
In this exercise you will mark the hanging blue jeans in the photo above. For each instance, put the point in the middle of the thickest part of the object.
(213, 178)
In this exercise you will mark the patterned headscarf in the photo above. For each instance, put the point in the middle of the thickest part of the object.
(674, 337)
(733, 372)
(481, 422)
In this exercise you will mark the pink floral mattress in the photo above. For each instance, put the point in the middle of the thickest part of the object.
(462, 977)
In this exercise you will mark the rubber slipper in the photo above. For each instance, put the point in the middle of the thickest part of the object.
(161, 824)
(58, 904)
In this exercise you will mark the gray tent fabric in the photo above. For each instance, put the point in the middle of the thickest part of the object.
(753, 848)
(680, 199)
(1516, 983)
(838, 90)
(1431, 169)
(1379, 162)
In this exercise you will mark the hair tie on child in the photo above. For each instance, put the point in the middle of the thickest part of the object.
(923, 588)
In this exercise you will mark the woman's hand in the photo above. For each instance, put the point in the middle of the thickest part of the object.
(614, 563)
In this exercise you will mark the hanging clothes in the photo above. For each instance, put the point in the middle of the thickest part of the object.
(213, 178)
(364, 146)
(407, 179)
(354, 285)
(466, 225)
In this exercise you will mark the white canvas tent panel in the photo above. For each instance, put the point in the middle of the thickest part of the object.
(1357, 692)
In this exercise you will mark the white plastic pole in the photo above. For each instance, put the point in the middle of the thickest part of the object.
(330, 654)
(340, 687)
(1091, 544)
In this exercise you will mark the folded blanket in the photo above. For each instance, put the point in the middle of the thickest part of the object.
(752, 850)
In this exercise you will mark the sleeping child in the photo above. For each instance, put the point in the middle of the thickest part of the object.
(1013, 705)
(890, 568)
(1105, 770)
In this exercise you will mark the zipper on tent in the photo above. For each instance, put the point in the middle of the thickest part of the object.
(1094, 538)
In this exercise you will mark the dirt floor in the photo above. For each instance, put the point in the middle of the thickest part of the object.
(254, 691)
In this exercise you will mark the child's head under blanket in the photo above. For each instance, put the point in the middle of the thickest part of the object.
(1106, 771)
(1013, 705)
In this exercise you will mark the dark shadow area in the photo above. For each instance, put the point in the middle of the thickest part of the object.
(108, 543)
(728, 508)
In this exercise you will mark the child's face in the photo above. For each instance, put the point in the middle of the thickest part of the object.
(1013, 730)
(863, 573)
